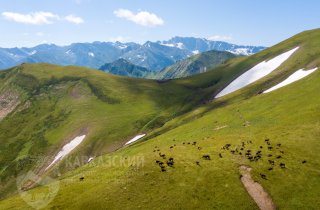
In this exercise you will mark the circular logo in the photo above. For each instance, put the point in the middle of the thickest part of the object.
(40, 197)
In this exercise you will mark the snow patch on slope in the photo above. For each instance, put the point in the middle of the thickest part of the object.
(69, 52)
(66, 149)
(241, 51)
(33, 52)
(257, 72)
(195, 52)
(292, 78)
(177, 45)
(90, 159)
(136, 138)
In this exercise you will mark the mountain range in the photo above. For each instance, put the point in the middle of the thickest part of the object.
(244, 135)
(195, 64)
(151, 55)
(125, 68)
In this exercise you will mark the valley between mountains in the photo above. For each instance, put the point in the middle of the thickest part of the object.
(242, 134)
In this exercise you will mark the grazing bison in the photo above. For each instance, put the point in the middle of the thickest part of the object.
(206, 157)
(81, 178)
(263, 176)
(304, 161)
(271, 162)
(162, 155)
(282, 165)
(220, 155)
(169, 163)
(226, 146)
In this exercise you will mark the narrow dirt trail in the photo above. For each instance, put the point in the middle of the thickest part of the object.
(255, 190)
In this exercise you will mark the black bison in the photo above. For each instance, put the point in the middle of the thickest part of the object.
(206, 157)
(282, 165)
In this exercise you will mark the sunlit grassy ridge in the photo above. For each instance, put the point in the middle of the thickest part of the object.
(59, 103)
(288, 116)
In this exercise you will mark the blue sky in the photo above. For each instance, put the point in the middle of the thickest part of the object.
(251, 22)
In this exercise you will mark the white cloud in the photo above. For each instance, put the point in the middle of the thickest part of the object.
(35, 18)
(39, 18)
(74, 19)
(143, 18)
(220, 38)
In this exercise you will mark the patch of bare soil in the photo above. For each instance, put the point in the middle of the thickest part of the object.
(255, 190)
(8, 102)
(76, 93)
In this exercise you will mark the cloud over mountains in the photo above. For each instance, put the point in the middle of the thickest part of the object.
(143, 18)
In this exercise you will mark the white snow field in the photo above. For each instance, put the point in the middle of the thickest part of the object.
(292, 78)
(90, 159)
(136, 138)
(255, 73)
(66, 149)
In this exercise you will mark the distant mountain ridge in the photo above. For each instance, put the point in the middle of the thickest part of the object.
(151, 55)
(195, 64)
(124, 68)
(197, 45)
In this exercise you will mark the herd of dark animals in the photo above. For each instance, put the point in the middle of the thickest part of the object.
(169, 162)
(237, 150)
(249, 154)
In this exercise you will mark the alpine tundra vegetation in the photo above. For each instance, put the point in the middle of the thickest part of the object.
(187, 123)
(199, 146)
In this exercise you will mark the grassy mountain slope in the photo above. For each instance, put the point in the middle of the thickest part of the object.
(124, 68)
(54, 104)
(288, 116)
(194, 65)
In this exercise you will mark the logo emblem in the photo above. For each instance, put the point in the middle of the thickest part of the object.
(41, 197)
